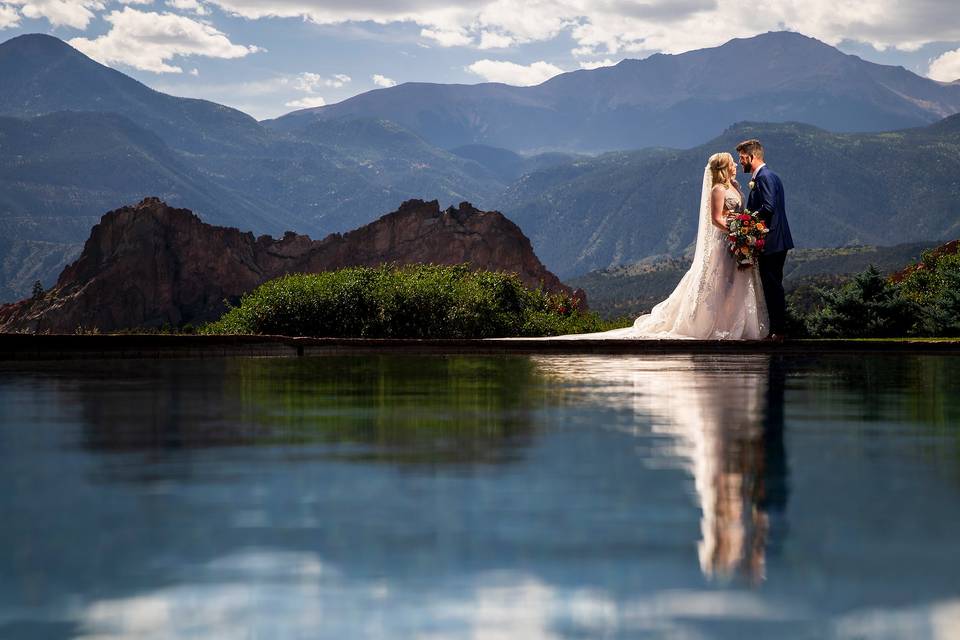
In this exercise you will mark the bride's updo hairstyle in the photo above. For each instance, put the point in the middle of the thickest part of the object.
(720, 168)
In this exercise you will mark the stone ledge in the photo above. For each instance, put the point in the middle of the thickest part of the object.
(19, 347)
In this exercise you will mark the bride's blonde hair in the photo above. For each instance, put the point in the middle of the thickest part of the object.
(720, 168)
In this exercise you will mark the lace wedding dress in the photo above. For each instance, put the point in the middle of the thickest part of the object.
(714, 301)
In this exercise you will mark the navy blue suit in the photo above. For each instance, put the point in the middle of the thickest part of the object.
(766, 198)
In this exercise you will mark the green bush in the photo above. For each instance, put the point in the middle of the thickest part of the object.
(934, 284)
(927, 280)
(941, 316)
(414, 301)
(869, 306)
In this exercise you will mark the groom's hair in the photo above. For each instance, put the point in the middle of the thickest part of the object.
(751, 147)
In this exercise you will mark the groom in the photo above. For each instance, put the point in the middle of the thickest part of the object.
(766, 199)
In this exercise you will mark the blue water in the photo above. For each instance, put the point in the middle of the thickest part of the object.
(481, 497)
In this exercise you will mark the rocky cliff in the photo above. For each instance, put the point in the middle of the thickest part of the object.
(150, 264)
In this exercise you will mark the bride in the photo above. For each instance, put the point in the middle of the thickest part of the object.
(715, 300)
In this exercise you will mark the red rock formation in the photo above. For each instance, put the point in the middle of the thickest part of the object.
(150, 264)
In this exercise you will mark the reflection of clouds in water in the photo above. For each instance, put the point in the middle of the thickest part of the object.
(936, 621)
(711, 411)
(227, 601)
(283, 594)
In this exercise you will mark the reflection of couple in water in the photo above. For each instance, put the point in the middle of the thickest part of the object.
(745, 465)
(724, 419)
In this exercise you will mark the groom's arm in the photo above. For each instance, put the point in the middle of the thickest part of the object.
(767, 207)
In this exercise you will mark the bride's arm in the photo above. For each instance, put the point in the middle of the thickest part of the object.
(716, 207)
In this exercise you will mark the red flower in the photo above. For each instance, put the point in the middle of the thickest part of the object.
(760, 243)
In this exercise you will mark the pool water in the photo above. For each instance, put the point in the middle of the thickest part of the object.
(401, 496)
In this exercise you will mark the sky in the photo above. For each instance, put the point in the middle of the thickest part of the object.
(269, 57)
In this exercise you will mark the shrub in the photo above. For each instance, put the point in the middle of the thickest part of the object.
(869, 306)
(796, 321)
(941, 317)
(413, 301)
(934, 285)
(928, 279)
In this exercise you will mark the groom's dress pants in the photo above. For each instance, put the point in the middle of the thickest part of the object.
(771, 277)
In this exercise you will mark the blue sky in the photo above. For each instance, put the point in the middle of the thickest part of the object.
(268, 57)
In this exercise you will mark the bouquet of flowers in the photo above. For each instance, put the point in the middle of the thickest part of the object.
(745, 239)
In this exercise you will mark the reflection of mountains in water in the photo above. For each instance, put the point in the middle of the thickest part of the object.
(722, 420)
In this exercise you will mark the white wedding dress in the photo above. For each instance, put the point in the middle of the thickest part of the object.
(714, 301)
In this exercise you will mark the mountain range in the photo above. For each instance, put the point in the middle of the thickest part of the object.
(631, 290)
(841, 189)
(664, 100)
(78, 138)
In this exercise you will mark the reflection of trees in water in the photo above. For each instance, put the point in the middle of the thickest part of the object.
(407, 408)
(724, 419)
(914, 389)
(878, 392)
(417, 408)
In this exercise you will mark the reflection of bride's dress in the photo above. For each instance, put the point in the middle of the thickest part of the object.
(717, 424)
(713, 301)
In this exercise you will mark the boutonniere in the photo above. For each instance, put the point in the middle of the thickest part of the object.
(751, 184)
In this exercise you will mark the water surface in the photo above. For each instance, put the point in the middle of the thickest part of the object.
(481, 497)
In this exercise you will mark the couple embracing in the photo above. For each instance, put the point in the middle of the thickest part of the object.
(717, 299)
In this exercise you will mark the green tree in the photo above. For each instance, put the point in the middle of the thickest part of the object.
(934, 285)
(940, 316)
(869, 306)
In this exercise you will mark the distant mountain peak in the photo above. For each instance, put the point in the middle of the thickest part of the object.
(32, 38)
(32, 44)
(784, 36)
(43, 74)
(676, 100)
(788, 42)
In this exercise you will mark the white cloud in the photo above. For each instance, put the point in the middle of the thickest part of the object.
(383, 81)
(596, 64)
(307, 102)
(148, 41)
(310, 82)
(195, 72)
(447, 38)
(512, 73)
(491, 40)
(8, 17)
(610, 27)
(946, 68)
(188, 5)
(307, 81)
(60, 13)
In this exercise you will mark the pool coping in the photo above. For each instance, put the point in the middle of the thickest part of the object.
(53, 347)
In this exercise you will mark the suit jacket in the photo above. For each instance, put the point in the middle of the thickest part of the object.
(766, 198)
